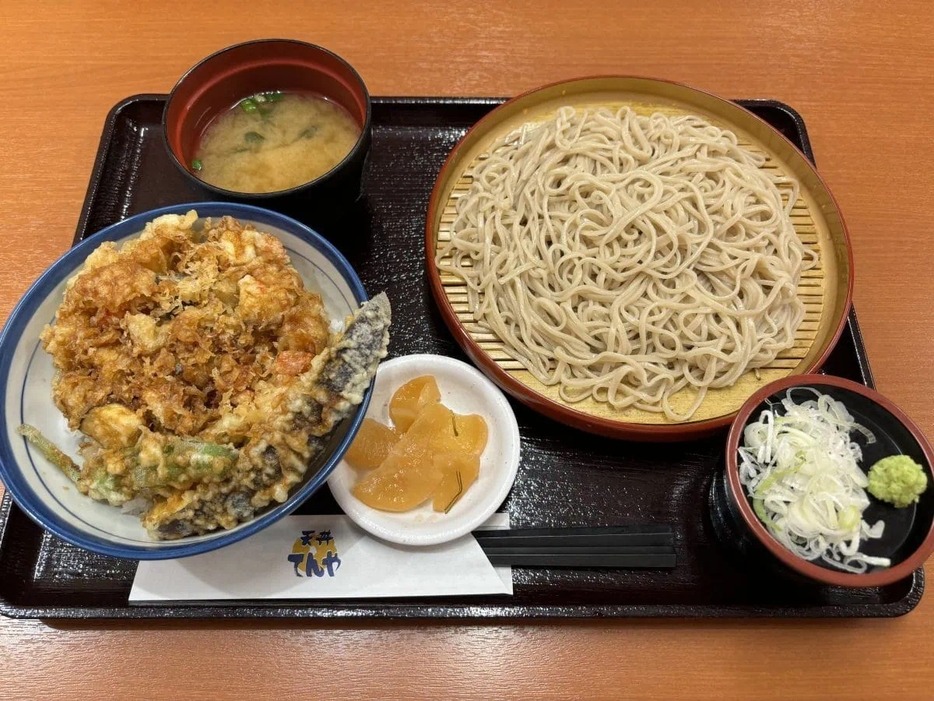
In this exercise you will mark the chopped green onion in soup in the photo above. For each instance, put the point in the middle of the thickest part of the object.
(273, 141)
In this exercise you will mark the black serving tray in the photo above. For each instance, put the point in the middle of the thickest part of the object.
(566, 478)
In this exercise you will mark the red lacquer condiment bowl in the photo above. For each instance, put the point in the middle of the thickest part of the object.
(908, 538)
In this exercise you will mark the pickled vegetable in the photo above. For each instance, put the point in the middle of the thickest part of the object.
(470, 433)
(431, 453)
(411, 398)
(371, 445)
(408, 476)
(460, 470)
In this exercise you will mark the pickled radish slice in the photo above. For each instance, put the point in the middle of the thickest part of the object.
(411, 398)
(430, 453)
(371, 445)
(471, 433)
(408, 476)
(399, 488)
(460, 470)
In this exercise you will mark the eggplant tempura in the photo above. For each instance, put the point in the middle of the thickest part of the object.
(204, 377)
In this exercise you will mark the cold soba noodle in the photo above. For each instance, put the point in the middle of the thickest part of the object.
(625, 257)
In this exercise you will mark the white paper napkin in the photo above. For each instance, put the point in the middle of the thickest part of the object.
(323, 557)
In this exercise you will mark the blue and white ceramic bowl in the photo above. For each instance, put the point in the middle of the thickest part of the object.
(43, 491)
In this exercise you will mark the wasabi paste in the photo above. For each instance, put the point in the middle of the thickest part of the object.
(898, 480)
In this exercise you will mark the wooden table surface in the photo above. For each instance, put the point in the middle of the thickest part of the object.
(861, 75)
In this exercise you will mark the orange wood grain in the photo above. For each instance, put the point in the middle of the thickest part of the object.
(860, 73)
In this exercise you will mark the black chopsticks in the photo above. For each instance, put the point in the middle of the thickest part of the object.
(600, 546)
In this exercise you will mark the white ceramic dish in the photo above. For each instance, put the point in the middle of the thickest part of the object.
(465, 390)
(26, 372)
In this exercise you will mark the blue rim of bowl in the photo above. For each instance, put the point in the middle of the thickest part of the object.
(22, 313)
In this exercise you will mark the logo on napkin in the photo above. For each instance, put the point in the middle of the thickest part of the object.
(314, 554)
(323, 557)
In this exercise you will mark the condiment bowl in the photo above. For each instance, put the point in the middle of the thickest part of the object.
(908, 537)
(220, 81)
(44, 492)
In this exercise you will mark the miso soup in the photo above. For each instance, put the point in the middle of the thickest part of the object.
(274, 141)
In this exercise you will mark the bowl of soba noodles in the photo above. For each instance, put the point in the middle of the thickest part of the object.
(278, 123)
(635, 257)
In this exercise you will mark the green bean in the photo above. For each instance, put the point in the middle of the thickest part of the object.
(184, 461)
(50, 451)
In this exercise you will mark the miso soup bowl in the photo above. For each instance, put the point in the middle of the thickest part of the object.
(223, 79)
(908, 538)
